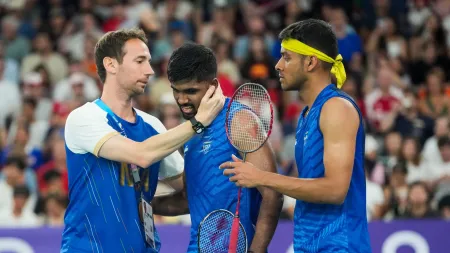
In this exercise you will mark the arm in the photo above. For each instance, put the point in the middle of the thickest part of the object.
(264, 159)
(271, 203)
(90, 133)
(339, 123)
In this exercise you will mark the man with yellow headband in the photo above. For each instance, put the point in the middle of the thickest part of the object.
(330, 213)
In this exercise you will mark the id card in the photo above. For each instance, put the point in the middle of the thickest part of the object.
(149, 226)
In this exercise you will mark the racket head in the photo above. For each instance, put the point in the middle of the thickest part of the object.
(249, 117)
(214, 233)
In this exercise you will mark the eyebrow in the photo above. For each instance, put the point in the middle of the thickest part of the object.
(143, 57)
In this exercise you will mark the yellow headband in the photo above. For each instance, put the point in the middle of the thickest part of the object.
(298, 47)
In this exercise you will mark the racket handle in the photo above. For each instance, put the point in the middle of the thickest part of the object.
(234, 235)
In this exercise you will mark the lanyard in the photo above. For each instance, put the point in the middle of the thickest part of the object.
(134, 169)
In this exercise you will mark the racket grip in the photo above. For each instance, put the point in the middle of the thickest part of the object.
(234, 235)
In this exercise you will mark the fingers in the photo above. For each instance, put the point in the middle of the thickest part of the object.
(226, 165)
(209, 93)
(235, 158)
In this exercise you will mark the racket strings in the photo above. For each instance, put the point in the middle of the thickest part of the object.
(214, 233)
(250, 118)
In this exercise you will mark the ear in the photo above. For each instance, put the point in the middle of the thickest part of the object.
(215, 82)
(110, 64)
(311, 63)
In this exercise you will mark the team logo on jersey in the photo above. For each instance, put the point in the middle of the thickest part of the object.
(206, 147)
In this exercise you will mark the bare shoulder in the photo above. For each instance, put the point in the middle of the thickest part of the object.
(339, 113)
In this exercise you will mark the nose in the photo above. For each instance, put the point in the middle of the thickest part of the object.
(149, 70)
(279, 64)
(182, 98)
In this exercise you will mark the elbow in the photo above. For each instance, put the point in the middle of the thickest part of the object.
(142, 158)
(338, 198)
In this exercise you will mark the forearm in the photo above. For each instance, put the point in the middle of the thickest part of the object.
(317, 190)
(267, 220)
(170, 205)
(161, 145)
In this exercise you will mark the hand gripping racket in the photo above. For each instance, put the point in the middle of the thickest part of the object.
(248, 125)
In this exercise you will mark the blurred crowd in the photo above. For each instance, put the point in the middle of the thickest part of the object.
(396, 54)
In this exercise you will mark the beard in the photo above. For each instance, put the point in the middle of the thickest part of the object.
(188, 115)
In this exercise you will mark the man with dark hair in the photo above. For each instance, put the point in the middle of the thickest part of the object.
(192, 70)
(330, 213)
(116, 153)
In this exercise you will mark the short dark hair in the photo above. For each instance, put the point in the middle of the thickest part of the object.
(21, 190)
(443, 141)
(192, 62)
(16, 160)
(314, 33)
(111, 45)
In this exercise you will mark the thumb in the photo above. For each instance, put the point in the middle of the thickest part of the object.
(235, 158)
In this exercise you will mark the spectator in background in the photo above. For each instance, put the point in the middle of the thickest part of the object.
(10, 103)
(444, 208)
(55, 208)
(417, 169)
(374, 199)
(36, 129)
(348, 40)
(14, 175)
(435, 102)
(418, 206)
(16, 46)
(405, 118)
(33, 88)
(169, 112)
(382, 100)
(18, 215)
(54, 62)
(430, 152)
(64, 90)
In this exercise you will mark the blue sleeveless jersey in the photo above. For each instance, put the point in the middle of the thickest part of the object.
(207, 188)
(327, 227)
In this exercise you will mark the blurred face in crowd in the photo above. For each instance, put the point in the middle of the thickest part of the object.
(21, 136)
(409, 149)
(34, 90)
(445, 153)
(434, 84)
(257, 45)
(9, 29)
(384, 79)
(53, 208)
(393, 143)
(339, 19)
(256, 25)
(441, 127)
(42, 43)
(418, 195)
(13, 174)
(20, 201)
(290, 70)
(134, 71)
(188, 95)
(28, 111)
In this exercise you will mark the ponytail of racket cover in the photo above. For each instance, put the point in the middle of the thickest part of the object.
(248, 125)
